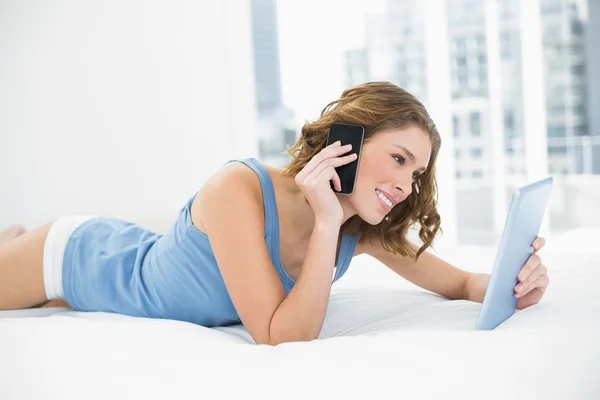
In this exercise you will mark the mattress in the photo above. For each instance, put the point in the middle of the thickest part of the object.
(383, 337)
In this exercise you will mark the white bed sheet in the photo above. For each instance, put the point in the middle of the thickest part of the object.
(383, 337)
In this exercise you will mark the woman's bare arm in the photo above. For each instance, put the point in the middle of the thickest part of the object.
(429, 271)
(231, 209)
(300, 316)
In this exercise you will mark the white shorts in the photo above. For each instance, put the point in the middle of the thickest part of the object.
(54, 249)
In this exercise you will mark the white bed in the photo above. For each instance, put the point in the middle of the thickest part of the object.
(383, 337)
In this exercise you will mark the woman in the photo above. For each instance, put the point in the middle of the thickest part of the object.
(258, 245)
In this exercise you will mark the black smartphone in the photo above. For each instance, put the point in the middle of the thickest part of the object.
(347, 134)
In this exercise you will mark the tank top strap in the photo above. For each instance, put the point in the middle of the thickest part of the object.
(347, 248)
(271, 219)
(268, 193)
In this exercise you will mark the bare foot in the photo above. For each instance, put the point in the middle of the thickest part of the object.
(12, 232)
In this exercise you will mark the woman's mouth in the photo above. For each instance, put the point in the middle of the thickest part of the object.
(385, 203)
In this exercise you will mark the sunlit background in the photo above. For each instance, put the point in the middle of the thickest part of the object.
(124, 108)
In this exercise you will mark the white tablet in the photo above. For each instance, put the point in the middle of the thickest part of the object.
(522, 227)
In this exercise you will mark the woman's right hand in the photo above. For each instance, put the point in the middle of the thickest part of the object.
(314, 181)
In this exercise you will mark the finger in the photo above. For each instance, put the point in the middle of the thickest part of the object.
(532, 298)
(538, 243)
(326, 153)
(532, 262)
(525, 286)
(541, 284)
(329, 174)
(315, 161)
(337, 181)
(341, 161)
(333, 162)
(335, 151)
(344, 160)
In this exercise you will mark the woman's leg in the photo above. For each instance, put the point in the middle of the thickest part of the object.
(21, 267)
(11, 233)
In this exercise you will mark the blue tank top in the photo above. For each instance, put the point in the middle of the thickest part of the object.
(116, 266)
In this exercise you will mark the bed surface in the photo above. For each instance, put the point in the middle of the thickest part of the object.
(382, 337)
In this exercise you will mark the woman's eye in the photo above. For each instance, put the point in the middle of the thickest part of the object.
(401, 159)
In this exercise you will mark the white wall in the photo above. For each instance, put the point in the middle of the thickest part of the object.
(120, 108)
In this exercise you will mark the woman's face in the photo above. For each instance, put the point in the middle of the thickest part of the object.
(389, 163)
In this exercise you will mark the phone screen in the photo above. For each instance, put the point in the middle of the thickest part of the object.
(347, 134)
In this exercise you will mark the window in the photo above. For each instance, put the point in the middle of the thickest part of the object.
(509, 119)
(578, 90)
(475, 123)
(476, 173)
(556, 111)
(456, 126)
(455, 88)
(482, 60)
(576, 27)
(481, 42)
(557, 149)
(457, 154)
(474, 82)
(556, 131)
(472, 44)
(580, 130)
(505, 45)
(577, 69)
(459, 44)
(483, 79)
(557, 91)
(476, 152)
(579, 110)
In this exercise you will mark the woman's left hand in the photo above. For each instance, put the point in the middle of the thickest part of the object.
(533, 278)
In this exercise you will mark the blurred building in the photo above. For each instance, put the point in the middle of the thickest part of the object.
(593, 69)
(276, 122)
(492, 58)
(570, 147)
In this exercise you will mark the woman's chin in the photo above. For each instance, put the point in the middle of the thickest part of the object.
(372, 218)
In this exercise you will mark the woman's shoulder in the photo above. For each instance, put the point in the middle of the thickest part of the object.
(238, 173)
(233, 179)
